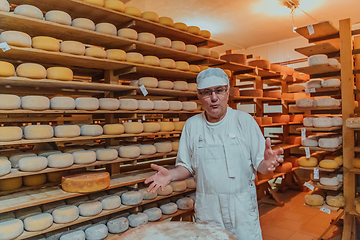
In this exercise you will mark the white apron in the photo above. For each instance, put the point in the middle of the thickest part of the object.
(226, 193)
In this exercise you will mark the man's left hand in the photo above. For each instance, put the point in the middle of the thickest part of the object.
(272, 158)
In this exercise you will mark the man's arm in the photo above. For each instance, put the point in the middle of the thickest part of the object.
(272, 159)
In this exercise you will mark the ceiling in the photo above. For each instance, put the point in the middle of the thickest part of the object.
(241, 24)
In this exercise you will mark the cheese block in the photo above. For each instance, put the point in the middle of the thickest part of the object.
(326, 102)
(151, 127)
(84, 157)
(133, 127)
(91, 130)
(115, 5)
(118, 224)
(151, 60)
(34, 180)
(60, 73)
(128, 104)
(38, 222)
(133, 11)
(185, 203)
(178, 126)
(106, 28)
(169, 208)
(161, 105)
(131, 198)
(166, 126)
(175, 105)
(67, 131)
(260, 63)
(32, 164)
(60, 160)
(189, 106)
(204, 52)
(9, 101)
(308, 142)
(109, 103)
(308, 121)
(38, 132)
(329, 142)
(72, 47)
(106, 154)
(5, 166)
(308, 162)
(165, 84)
(147, 149)
(65, 214)
(29, 11)
(6, 69)
(145, 105)
(178, 186)
(167, 191)
(181, 85)
(284, 167)
(194, 30)
(116, 54)
(335, 201)
(11, 228)
(148, 81)
(181, 26)
(57, 16)
(318, 59)
(314, 200)
(134, 57)
(166, 21)
(90, 208)
(87, 103)
(305, 102)
(182, 65)
(95, 2)
(35, 102)
(146, 37)
(147, 195)
(326, 163)
(110, 202)
(178, 45)
(334, 63)
(153, 214)
(329, 180)
(353, 122)
(4, 7)
(163, 41)
(86, 182)
(15, 158)
(191, 48)
(10, 134)
(95, 52)
(31, 70)
(113, 129)
(73, 234)
(16, 38)
(83, 23)
(332, 82)
(138, 219)
(205, 33)
(167, 63)
(128, 33)
(252, 93)
(175, 145)
(129, 151)
(322, 122)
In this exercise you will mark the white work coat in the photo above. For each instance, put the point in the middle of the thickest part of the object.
(224, 157)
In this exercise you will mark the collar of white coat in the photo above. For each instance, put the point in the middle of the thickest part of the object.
(219, 122)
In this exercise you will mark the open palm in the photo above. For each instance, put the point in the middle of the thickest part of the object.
(272, 158)
(160, 179)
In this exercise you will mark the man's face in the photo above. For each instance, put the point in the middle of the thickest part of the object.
(214, 101)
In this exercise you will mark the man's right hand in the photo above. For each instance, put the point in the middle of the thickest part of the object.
(160, 179)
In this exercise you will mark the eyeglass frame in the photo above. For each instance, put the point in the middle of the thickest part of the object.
(218, 91)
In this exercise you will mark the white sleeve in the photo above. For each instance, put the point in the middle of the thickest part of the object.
(185, 151)
(257, 143)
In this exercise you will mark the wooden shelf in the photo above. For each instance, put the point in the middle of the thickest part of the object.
(320, 168)
(355, 170)
(354, 212)
(332, 188)
(295, 109)
(322, 31)
(276, 175)
(279, 124)
(329, 48)
(284, 146)
(319, 69)
(322, 149)
(319, 129)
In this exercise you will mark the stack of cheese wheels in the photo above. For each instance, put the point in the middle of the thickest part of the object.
(83, 23)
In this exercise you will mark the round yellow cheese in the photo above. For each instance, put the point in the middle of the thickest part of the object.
(133, 11)
(116, 54)
(328, 164)
(95, 52)
(339, 160)
(182, 65)
(145, 105)
(113, 129)
(152, 16)
(115, 5)
(11, 228)
(67, 131)
(31, 70)
(204, 52)
(6, 69)
(57, 16)
(38, 132)
(190, 183)
(72, 47)
(191, 48)
(29, 11)
(189, 106)
(178, 186)
(62, 103)
(35, 103)
(55, 177)
(166, 126)
(165, 84)
(167, 191)
(106, 154)
(46, 43)
(205, 33)
(129, 151)
(163, 41)
(4, 6)
(314, 200)
(106, 28)
(166, 21)
(194, 30)
(83, 23)
(9, 101)
(181, 85)
(34, 180)
(179, 125)
(60, 73)
(147, 149)
(87, 103)
(308, 162)
(95, 2)
(146, 37)
(178, 45)
(167, 63)
(133, 127)
(128, 104)
(180, 26)
(10, 184)
(151, 127)
(128, 33)
(60, 160)
(134, 57)
(151, 60)
(192, 86)
(150, 82)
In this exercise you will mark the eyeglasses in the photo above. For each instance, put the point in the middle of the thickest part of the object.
(208, 93)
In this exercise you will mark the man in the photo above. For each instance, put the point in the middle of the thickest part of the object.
(222, 148)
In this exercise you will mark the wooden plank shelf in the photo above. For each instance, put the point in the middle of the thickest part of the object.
(284, 146)
(82, 138)
(294, 109)
(276, 175)
(320, 168)
(355, 170)
(322, 31)
(319, 129)
(326, 91)
(319, 69)
(354, 212)
(279, 124)
(329, 48)
(324, 187)
(322, 149)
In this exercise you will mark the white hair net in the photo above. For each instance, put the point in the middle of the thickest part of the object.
(211, 77)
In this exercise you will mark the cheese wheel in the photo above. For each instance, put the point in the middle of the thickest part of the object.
(181, 26)
(5, 166)
(161, 105)
(151, 60)
(58, 17)
(91, 130)
(194, 30)
(339, 160)
(175, 145)
(318, 59)
(113, 129)
(152, 16)
(9, 101)
(106, 28)
(328, 164)
(46, 43)
(38, 222)
(95, 52)
(72, 47)
(60, 160)
(106, 154)
(10, 134)
(185, 203)
(34, 180)
(38, 132)
(178, 45)
(175, 105)
(138, 219)
(10, 184)
(166, 126)
(109, 103)
(169, 208)
(308, 162)
(62, 103)
(322, 122)
(308, 142)
(65, 214)
(147, 195)
(329, 142)
(11, 228)
(116, 54)
(335, 201)
(167, 63)
(133, 127)
(67, 131)
(95, 2)
(214, 54)
(178, 126)
(326, 102)
(31, 70)
(333, 82)
(131, 198)
(86, 182)
(191, 48)
(153, 214)
(35, 102)
(204, 52)
(166, 21)
(110, 202)
(60, 73)
(163, 41)
(150, 82)
(29, 11)
(87, 103)
(90, 208)
(190, 183)
(314, 200)
(6, 69)
(189, 106)
(83, 23)
(95, 232)
(4, 7)
(16, 38)
(182, 65)
(74, 234)
(178, 186)
(167, 191)
(305, 102)
(115, 5)
(334, 63)
(337, 121)
(146, 37)
(15, 158)
(147, 149)
(314, 83)
(284, 167)
(329, 180)
(181, 85)
(118, 224)
(165, 84)
(151, 127)
(128, 33)
(163, 147)
(145, 105)
(205, 33)
(308, 121)
(32, 164)
(129, 151)
(84, 157)
(133, 11)
(134, 57)
(128, 104)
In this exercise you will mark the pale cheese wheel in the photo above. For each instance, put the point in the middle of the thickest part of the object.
(145, 105)
(185, 203)
(189, 106)
(38, 132)
(72, 47)
(214, 54)
(67, 131)
(204, 52)
(318, 59)
(152, 16)
(138, 219)
(305, 102)
(128, 33)
(46, 43)
(65, 214)
(153, 214)
(195, 69)
(181, 85)
(150, 82)
(165, 84)
(337, 121)
(60, 160)
(169, 208)
(31, 70)
(326, 102)
(57, 16)
(10, 184)
(106, 154)
(322, 122)
(129, 151)
(175, 105)
(167, 63)
(205, 33)
(178, 186)
(334, 63)
(91, 130)
(163, 147)
(161, 105)
(115, 5)
(328, 164)
(83, 23)
(335, 201)
(34, 180)
(163, 41)
(60, 73)
(151, 127)
(178, 126)
(133, 11)
(194, 30)
(87, 103)
(38, 222)
(107, 28)
(74, 234)
(90, 208)
(166, 21)
(84, 157)
(308, 142)
(109, 103)
(182, 65)
(116, 54)
(175, 145)
(29, 11)
(35, 102)
(181, 26)
(95, 2)
(190, 183)
(314, 200)
(134, 57)
(6, 69)
(308, 162)
(146, 37)
(110, 202)
(329, 142)
(11, 228)
(131, 198)
(128, 104)
(32, 164)
(133, 127)
(4, 7)
(147, 149)
(333, 82)
(166, 126)
(308, 121)
(10, 134)
(95, 52)
(191, 48)
(329, 180)
(9, 101)
(5, 166)
(15, 158)
(118, 224)
(16, 38)
(178, 45)
(113, 129)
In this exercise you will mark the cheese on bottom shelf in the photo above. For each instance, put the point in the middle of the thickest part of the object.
(118, 224)
(6, 69)
(86, 182)
(34, 180)
(67, 131)
(153, 214)
(38, 222)
(38, 132)
(129, 151)
(84, 157)
(8, 134)
(96, 232)
(113, 129)
(83, 23)
(11, 228)
(73, 234)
